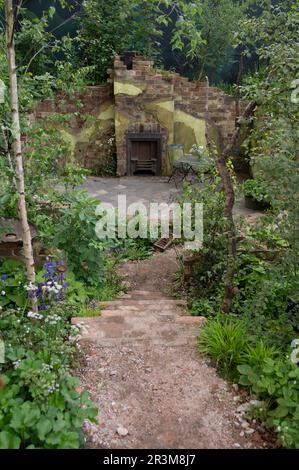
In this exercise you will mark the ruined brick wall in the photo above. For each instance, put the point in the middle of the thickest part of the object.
(89, 126)
(147, 100)
(142, 100)
(190, 98)
(144, 103)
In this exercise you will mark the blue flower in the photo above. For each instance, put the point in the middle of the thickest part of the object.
(4, 277)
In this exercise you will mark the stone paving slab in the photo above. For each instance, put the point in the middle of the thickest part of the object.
(145, 189)
(136, 189)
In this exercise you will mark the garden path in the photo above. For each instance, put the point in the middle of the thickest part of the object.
(143, 369)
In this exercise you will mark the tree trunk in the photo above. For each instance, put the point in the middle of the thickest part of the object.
(7, 151)
(17, 145)
(221, 163)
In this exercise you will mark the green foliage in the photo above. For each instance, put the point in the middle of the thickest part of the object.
(109, 27)
(209, 271)
(268, 299)
(75, 234)
(106, 166)
(276, 382)
(40, 406)
(272, 378)
(31, 422)
(48, 163)
(12, 278)
(255, 354)
(224, 339)
(256, 189)
(133, 249)
(216, 25)
(207, 307)
(272, 143)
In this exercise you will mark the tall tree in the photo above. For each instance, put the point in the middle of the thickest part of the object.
(17, 144)
(221, 159)
(107, 27)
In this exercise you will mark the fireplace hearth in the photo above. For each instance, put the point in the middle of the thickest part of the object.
(144, 154)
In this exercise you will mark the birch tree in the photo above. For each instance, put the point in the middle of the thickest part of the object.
(17, 144)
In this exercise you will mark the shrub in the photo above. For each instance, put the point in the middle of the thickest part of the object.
(39, 403)
(268, 299)
(224, 339)
(257, 189)
(75, 234)
(277, 383)
(255, 354)
(209, 271)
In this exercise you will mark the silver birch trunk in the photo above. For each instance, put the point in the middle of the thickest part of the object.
(17, 145)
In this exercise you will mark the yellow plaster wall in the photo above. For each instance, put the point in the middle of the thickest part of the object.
(93, 129)
(188, 130)
(127, 89)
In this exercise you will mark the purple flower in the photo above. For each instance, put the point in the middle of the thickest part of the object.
(4, 277)
(50, 290)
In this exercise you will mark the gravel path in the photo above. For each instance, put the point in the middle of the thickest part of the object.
(144, 371)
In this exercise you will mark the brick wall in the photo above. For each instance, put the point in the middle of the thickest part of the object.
(137, 113)
(140, 99)
(84, 128)
(141, 93)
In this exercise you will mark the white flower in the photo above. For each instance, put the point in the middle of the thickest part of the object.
(36, 316)
(278, 428)
(3, 292)
(17, 363)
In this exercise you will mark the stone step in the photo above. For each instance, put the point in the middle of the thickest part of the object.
(140, 310)
(109, 331)
(146, 295)
(125, 311)
(154, 304)
(149, 343)
(142, 297)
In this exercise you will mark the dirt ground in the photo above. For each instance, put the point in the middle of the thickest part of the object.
(143, 369)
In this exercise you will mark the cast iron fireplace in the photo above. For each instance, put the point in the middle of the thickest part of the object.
(144, 154)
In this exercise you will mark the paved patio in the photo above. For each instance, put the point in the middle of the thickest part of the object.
(145, 189)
